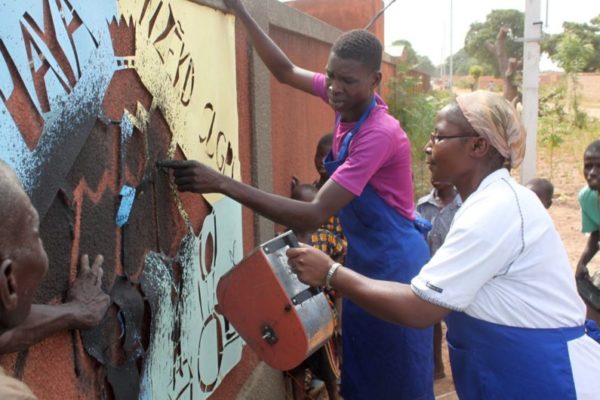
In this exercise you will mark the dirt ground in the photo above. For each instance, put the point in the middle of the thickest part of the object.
(567, 177)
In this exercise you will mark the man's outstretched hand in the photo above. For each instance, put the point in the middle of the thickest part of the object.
(86, 297)
(193, 176)
(85, 307)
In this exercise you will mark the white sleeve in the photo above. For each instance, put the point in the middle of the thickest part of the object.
(481, 244)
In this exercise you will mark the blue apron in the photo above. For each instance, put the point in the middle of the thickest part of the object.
(491, 361)
(381, 360)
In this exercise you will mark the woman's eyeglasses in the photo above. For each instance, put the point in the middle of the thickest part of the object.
(435, 138)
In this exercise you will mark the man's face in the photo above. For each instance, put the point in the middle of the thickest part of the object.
(29, 265)
(320, 154)
(349, 83)
(591, 169)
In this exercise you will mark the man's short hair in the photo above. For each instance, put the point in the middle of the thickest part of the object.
(593, 147)
(359, 45)
(542, 185)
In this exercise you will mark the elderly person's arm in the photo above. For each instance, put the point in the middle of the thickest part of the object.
(85, 308)
(390, 301)
(590, 250)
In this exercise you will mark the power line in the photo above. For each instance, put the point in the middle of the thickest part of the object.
(379, 14)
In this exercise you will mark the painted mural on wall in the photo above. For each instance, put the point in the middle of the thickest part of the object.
(92, 95)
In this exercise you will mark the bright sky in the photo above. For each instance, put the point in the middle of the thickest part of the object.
(426, 23)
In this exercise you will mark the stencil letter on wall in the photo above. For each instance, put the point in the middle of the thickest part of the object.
(49, 68)
(209, 346)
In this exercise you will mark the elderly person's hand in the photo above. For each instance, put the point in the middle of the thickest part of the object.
(311, 265)
(193, 176)
(86, 297)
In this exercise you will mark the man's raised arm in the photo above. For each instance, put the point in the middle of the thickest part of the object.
(274, 58)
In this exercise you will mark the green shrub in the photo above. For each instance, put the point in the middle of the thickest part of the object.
(416, 112)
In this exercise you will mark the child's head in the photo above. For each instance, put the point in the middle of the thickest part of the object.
(323, 148)
(591, 165)
(353, 70)
(359, 45)
(304, 192)
(23, 260)
(543, 188)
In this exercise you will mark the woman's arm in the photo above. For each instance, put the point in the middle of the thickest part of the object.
(391, 301)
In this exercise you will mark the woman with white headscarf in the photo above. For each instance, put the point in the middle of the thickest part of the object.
(501, 280)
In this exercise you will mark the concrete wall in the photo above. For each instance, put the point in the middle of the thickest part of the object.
(589, 87)
(116, 86)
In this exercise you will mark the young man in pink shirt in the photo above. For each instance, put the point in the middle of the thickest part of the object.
(370, 190)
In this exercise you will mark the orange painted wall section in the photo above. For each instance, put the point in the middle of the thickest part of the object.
(388, 71)
(298, 119)
(344, 14)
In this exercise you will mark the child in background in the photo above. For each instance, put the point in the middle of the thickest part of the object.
(325, 362)
(323, 239)
(323, 148)
(438, 207)
(543, 188)
(590, 214)
(333, 224)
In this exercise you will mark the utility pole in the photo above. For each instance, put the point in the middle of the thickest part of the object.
(531, 82)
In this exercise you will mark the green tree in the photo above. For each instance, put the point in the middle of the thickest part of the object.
(492, 43)
(426, 66)
(481, 38)
(475, 71)
(573, 55)
(416, 112)
(553, 124)
(411, 55)
(577, 48)
(461, 62)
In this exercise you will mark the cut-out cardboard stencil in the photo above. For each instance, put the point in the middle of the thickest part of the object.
(92, 94)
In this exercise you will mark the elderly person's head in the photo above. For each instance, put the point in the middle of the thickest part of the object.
(475, 135)
(23, 260)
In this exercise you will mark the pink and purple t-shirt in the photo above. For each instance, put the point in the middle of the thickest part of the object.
(379, 155)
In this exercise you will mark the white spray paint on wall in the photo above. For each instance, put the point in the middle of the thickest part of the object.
(207, 348)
